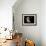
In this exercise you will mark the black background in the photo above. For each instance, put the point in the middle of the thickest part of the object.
(31, 18)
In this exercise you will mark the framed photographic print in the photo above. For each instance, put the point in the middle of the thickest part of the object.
(29, 19)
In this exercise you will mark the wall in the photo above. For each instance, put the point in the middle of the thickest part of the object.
(43, 22)
(6, 13)
(6, 17)
(28, 7)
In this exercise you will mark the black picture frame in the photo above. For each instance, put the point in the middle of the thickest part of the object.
(29, 19)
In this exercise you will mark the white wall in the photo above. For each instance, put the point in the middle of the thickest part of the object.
(43, 22)
(28, 7)
(6, 13)
(6, 17)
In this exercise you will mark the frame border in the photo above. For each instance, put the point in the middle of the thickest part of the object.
(29, 24)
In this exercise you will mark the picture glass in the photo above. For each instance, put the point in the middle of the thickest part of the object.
(29, 19)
